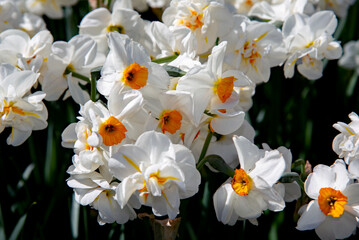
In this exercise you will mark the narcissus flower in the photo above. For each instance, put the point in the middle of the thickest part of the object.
(207, 20)
(334, 211)
(309, 39)
(250, 191)
(211, 87)
(19, 109)
(346, 144)
(96, 190)
(158, 172)
(128, 66)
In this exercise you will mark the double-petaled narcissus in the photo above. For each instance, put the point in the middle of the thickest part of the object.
(20, 110)
(158, 172)
(334, 211)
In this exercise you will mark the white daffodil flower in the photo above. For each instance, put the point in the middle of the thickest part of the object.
(95, 190)
(100, 21)
(263, 49)
(78, 55)
(308, 40)
(251, 190)
(277, 12)
(128, 66)
(350, 58)
(19, 109)
(346, 144)
(173, 114)
(210, 86)
(178, 41)
(51, 8)
(207, 20)
(111, 126)
(9, 15)
(334, 211)
(159, 172)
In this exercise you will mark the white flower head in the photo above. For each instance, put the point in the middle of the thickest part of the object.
(128, 66)
(308, 41)
(159, 172)
(96, 190)
(333, 212)
(251, 190)
(207, 20)
(346, 144)
(19, 109)
(350, 58)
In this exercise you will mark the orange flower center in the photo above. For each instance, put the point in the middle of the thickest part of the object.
(112, 131)
(223, 87)
(193, 21)
(170, 121)
(241, 182)
(331, 202)
(135, 76)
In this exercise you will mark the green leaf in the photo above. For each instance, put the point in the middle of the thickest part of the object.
(2, 226)
(174, 71)
(18, 228)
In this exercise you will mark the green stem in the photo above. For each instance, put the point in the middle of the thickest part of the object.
(77, 75)
(165, 59)
(202, 160)
(95, 75)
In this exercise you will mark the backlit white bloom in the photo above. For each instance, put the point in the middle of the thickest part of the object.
(250, 191)
(211, 87)
(346, 144)
(262, 49)
(308, 41)
(278, 11)
(19, 109)
(18, 49)
(350, 58)
(158, 172)
(334, 211)
(51, 8)
(101, 21)
(128, 66)
(207, 20)
(96, 190)
(78, 55)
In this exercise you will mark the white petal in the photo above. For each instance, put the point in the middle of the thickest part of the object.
(311, 218)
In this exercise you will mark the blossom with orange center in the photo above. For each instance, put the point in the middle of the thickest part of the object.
(241, 182)
(112, 131)
(135, 76)
(193, 21)
(224, 88)
(331, 201)
(170, 121)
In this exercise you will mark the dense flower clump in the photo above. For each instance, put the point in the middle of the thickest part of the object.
(171, 92)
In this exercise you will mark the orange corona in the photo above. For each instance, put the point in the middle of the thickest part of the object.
(241, 182)
(170, 121)
(112, 131)
(331, 202)
(135, 76)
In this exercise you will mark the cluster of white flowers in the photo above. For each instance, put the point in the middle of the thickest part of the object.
(175, 90)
